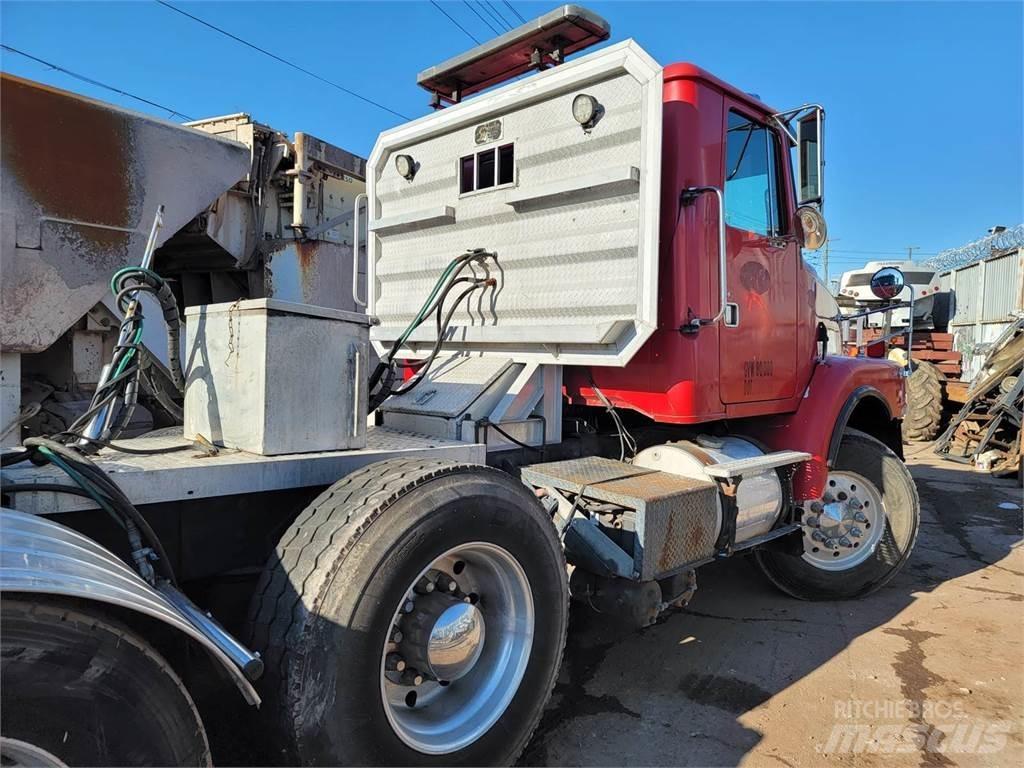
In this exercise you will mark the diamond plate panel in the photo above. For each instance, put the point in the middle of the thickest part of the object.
(450, 386)
(577, 273)
(677, 518)
(676, 534)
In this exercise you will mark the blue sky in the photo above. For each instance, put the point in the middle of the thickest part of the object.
(924, 132)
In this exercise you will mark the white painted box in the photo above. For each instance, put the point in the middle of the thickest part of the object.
(273, 377)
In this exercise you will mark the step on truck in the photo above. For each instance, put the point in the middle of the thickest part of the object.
(584, 336)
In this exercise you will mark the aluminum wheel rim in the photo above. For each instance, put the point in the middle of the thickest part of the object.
(22, 753)
(839, 534)
(446, 718)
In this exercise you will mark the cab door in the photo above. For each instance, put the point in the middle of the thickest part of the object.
(758, 334)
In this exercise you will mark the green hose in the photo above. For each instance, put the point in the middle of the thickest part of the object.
(426, 305)
(80, 481)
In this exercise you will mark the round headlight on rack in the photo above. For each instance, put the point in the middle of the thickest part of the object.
(405, 166)
(585, 109)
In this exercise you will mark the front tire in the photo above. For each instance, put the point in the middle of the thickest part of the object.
(861, 533)
(79, 688)
(351, 573)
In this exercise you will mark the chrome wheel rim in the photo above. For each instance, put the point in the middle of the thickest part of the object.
(22, 753)
(468, 617)
(843, 529)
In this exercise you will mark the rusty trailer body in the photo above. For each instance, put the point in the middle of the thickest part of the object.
(247, 213)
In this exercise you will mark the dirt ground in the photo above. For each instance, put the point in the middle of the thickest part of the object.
(927, 671)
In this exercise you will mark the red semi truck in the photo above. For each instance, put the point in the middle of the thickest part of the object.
(598, 346)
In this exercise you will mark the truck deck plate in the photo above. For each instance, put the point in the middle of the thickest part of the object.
(676, 518)
(193, 475)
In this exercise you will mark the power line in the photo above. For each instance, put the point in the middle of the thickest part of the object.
(480, 16)
(514, 11)
(274, 56)
(501, 15)
(453, 21)
(97, 83)
(495, 15)
(879, 253)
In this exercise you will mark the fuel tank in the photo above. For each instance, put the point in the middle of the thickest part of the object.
(759, 497)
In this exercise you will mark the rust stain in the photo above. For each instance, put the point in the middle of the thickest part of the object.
(306, 255)
(665, 560)
(71, 155)
(696, 538)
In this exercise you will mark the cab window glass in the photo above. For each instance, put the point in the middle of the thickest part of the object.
(752, 177)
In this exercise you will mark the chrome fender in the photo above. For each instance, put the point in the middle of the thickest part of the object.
(40, 556)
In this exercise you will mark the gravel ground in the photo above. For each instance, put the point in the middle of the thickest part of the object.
(927, 671)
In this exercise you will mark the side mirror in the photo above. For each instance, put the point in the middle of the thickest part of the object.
(812, 226)
(887, 283)
(810, 157)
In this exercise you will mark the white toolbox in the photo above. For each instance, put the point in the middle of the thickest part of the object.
(273, 377)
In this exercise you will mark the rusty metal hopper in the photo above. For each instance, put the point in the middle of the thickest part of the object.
(81, 181)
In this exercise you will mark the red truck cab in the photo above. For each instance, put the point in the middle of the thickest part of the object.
(762, 358)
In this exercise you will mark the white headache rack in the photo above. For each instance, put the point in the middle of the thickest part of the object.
(558, 177)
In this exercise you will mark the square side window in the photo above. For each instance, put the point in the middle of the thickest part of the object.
(506, 164)
(466, 170)
(485, 169)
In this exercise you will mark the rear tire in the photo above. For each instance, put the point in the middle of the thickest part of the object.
(877, 473)
(924, 403)
(84, 689)
(327, 601)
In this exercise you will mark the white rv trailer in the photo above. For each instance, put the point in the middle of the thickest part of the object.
(922, 283)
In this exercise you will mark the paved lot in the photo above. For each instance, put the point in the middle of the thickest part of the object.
(927, 671)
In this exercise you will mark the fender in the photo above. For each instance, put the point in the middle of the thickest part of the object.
(39, 556)
(838, 390)
(863, 394)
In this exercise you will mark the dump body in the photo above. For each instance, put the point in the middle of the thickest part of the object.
(248, 213)
(81, 184)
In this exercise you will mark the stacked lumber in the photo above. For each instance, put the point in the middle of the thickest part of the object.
(930, 346)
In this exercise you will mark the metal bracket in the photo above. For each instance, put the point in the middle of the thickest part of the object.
(726, 542)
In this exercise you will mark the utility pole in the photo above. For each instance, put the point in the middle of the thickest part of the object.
(910, 251)
(824, 266)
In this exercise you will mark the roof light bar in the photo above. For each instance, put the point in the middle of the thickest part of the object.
(537, 44)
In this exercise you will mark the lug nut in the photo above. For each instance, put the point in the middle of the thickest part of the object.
(812, 521)
(819, 536)
(396, 636)
(394, 663)
(845, 542)
(817, 507)
(408, 606)
(855, 503)
(856, 532)
(831, 544)
(424, 586)
(446, 583)
(860, 517)
(411, 677)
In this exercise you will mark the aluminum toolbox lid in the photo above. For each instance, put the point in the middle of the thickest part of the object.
(574, 230)
(271, 306)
